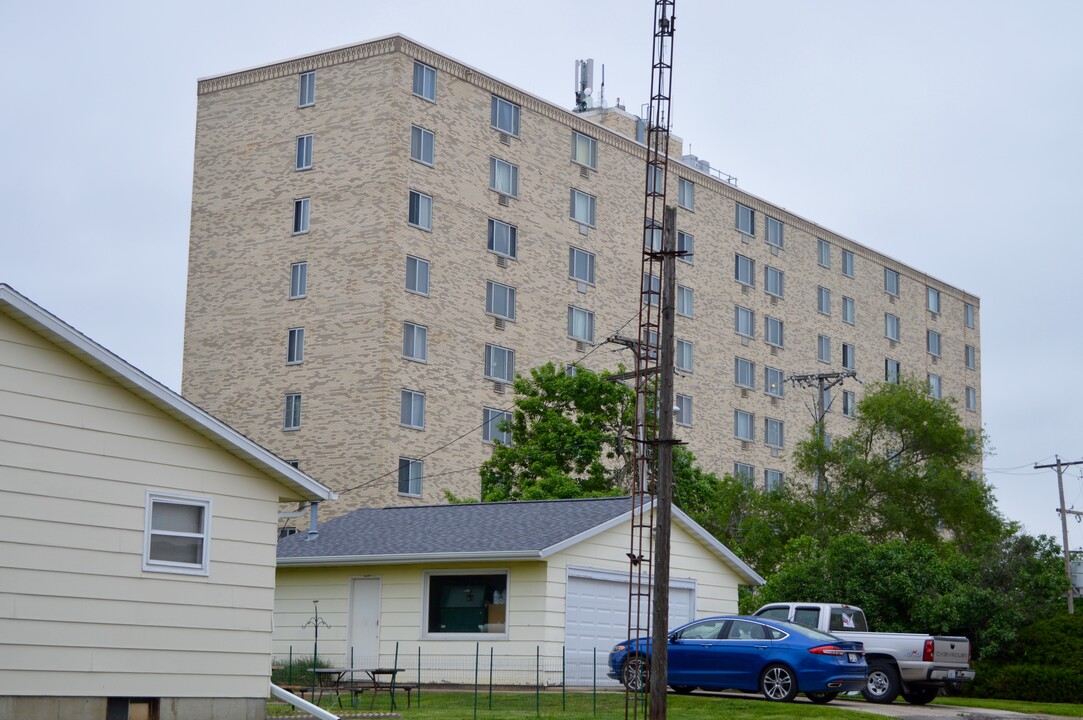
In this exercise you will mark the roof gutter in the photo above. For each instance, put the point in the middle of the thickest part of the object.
(408, 558)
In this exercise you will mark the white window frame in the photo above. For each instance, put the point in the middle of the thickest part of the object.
(295, 346)
(849, 312)
(849, 403)
(580, 324)
(490, 430)
(424, 85)
(773, 479)
(654, 294)
(968, 315)
(492, 363)
(302, 212)
(500, 300)
(156, 498)
(583, 208)
(303, 156)
(823, 300)
(422, 145)
(892, 371)
(776, 233)
(935, 385)
(777, 286)
(580, 265)
(656, 179)
(971, 399)
(584, 145)
(823, 349)
(423, 221)
(503, 176)
(744, 373)
(686, 244)
(848, 263)
(932, 342)
(823, 252)
(849, 359)
(412, 409)
(744, 421)
(686, 194)
(682, 410)
(686, 299)
(774, 433)
(892, 327)
(415, 476)
(298, 280)
(503, 238)
(306, 89)
(744, 270)
(415, 333)
(932, 300)
(744, 321)
(682, 357)
(773, 326)
(970, 357)
(746, 220)
(417, 276)
(504, 116)
(292, 417)
(774, 382)
(652, 237)
(891, 282)
(427, 598)
(744, 472)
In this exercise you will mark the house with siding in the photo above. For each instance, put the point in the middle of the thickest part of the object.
(137, 538)
(542, 585)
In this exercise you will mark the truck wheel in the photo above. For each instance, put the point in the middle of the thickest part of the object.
(634, 673)
(883, 685)
(920, 695)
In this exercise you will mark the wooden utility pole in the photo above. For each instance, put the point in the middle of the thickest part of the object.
(822, 382)
(1064, 525)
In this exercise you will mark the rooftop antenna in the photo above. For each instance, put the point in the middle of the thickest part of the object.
(601, 90)
(584, 84)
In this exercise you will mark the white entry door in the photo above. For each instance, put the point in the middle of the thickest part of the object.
(363, 648)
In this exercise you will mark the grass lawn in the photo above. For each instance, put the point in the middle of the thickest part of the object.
(1030, 708)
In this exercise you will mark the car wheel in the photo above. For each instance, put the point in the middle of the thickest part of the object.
(920, 695)
(683, 689)
(883, 683)
(821, 698)
(778, 683)
(634, 673)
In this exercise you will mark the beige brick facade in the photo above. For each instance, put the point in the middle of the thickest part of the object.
(242, 246)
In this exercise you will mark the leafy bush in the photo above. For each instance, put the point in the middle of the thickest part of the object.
(1041, 665)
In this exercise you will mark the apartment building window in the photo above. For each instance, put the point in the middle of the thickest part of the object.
(774, 281)
(295, 346)
(503, 177)
(744, 321)
(847, 263)
(744, 373)
(683, 359)
(823, 300)
(827, 400)
(745, 270)
(682, 414)
(686, 244)
(301, 208)
(652, 237)
(420, 210)
(581, 265)
(582, 209)
(970, 357)
(177, 534)
(848, 310)
(745, 473)
(306, 89)
(293, 412)
(849, 403)
(968, 314)
(656, 179)
(584, 150)
(823, 253)
(891, 327)
(412, 409)
(774, 233)
(971, 399)
(503, 238)
(932, 342)
(411, 476)
(496, 426)
(304, 153)
(892, 371)
(424, 81)
(932, 300)
(298, 280)
(505, 116)
(500, 300)
(422, 145)
(580, 324)
(773, 433)
(417, 275)
(499, 363)
(772, 331)
(744, 425)
(774, 382)
(651, 295)
(746, 219)
(686, 194)
(685, 298)
(934, 386)
(415, 342)
(823, 349)
(891, 282)
(848, 360)
(772, 480)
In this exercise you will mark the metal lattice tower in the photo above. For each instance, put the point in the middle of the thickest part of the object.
(648, 340)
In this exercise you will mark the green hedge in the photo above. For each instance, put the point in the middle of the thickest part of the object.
(1041, 665)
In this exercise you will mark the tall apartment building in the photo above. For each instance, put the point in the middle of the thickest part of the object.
(382, 236)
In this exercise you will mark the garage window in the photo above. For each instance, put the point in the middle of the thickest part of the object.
(177, 534)
(466, 603)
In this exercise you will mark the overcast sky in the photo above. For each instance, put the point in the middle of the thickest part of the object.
(944, 134)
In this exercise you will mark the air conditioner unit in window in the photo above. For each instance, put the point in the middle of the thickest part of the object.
(936, 359)
(774, 250)
(501, 261)
(505, 138)
(774, 300)
(503, 200)
(498, 323)
(746, 445)
(584, 173)
(580, 346)
(892, 299)
(498, 387)
(744, 289)
(774, 350)
(936, 316)
(744, 392)
(774, 402)
(891, 343)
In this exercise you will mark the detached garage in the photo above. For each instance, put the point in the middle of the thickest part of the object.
(523, 581)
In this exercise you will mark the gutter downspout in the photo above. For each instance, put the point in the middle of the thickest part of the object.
(301, 704)
(313, 511)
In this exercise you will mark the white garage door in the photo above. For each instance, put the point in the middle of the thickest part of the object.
(597, 618)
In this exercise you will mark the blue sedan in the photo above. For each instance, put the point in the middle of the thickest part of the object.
(774, 657)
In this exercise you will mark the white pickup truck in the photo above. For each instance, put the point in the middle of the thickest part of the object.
(913, 665)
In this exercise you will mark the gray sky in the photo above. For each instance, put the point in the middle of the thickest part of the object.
(946, 134)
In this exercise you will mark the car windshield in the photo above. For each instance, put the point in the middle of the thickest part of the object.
(808, 632)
